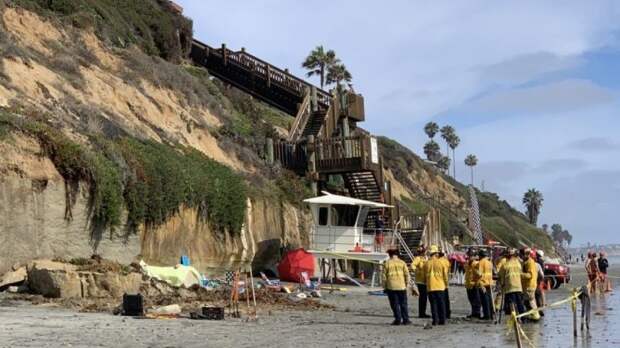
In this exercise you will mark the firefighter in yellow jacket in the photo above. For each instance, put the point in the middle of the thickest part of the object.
(471, 280)
(529, 279)
(395, 282)
(485, 281)
(510, 280)
(436, 276)
(417, 266)
(446, 294)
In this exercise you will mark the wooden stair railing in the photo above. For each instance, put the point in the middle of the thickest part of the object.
(301, 119)
(253, 75)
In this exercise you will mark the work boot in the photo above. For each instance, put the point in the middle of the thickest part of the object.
(407, 322)
(424, 316)
(396, 322)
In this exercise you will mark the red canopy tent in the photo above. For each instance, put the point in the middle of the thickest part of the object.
(293, 263)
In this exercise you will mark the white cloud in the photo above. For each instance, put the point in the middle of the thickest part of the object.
(566, 95)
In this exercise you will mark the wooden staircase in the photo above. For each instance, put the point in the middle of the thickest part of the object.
(412, 239)
(315, 124)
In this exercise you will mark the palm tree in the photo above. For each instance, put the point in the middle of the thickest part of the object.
(454, 142)
(532, 200)
(556, 232)
(431, 149)
(446, 133)
(338, 73)
(431, 129)
(319, 61)
(545, 228)
(471, 161)
(444, 163)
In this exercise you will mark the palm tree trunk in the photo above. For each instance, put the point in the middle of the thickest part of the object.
(322, 75)
(472, 175)
(454, 164)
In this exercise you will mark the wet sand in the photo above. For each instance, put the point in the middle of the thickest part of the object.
(359, 320)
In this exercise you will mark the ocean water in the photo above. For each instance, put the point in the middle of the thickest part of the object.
(556, 328)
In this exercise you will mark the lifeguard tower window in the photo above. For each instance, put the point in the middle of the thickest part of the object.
(323, 216)
(344, 215)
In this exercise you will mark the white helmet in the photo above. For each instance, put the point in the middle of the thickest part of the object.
(540, 253)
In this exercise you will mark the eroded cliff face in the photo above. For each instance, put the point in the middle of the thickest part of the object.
(41, 74)
(33, 224)
(268, 228)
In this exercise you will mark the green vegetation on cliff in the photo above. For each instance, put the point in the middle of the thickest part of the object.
(149, 24)
(149, 179)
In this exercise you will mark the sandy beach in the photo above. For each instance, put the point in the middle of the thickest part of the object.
(358, 320)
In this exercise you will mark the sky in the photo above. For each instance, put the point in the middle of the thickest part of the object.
(532, 87)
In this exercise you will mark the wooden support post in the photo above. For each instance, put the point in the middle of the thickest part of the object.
(312, 163)
(574, 308)
(314, 99)
(268, 76)
(269, 151)
(345, 133)
(225, 54)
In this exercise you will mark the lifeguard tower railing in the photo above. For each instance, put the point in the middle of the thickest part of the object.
(370, 240)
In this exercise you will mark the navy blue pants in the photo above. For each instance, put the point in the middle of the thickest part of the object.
(422, 300)
(446, 296)
(398, 303)
(487, 303)
(474, 300)
(516, 299)
(438, 307)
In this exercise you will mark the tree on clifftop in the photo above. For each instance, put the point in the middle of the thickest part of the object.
(338, 74)
(446, 133)
(532, 200)
(431, 149)
(319, 62)
(431, 129)
(453, 142)
(471, 161)
(444, 163)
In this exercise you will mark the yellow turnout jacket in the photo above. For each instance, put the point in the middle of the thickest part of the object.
(529, 275)
(510, 276)
(395, 274)
(471, 278)
(436, 274)
(485, 272)
(417, 266)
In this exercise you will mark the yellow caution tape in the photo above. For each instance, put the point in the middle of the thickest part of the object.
(572, 298)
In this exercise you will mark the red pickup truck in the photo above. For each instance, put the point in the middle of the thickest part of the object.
(557, 274)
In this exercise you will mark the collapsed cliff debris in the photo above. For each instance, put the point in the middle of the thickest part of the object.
(98, 285)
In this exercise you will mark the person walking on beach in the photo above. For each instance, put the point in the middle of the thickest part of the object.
(603, 264)
(485, 276)
(530, 281)
(540, 294)
(471, 281)
(436, 276)
(395, 280)
(417, 266)
(510, 279)
(592, 269)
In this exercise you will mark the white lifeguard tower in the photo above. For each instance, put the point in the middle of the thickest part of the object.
(338, 231)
